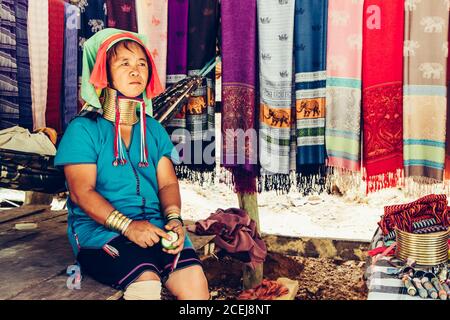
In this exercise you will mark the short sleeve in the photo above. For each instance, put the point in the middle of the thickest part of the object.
(77, 144)
(165, 145)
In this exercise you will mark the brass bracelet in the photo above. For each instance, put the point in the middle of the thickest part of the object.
(117, 221)
(109, 218)
(125, 227)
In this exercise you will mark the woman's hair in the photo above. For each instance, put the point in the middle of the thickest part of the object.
(112, 53)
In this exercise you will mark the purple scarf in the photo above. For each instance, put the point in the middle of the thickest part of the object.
(177, 46)
(239, 92)
(121, 14)
(177, 40)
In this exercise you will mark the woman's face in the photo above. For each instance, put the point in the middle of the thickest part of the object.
(129, 69)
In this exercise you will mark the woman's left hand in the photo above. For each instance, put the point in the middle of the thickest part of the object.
(176, 226)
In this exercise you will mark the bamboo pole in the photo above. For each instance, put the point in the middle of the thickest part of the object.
(249, 203)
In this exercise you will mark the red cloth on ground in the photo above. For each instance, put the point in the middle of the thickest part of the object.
(55, 64)
(236, 233)
(403, 216)
(267, 290)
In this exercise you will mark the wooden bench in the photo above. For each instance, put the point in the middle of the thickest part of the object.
(33, 263)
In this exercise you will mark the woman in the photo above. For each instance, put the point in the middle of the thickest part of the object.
(124, 194)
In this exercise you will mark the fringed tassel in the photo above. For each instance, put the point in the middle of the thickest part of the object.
(341, 181)
(311, 179)
(119, 158)
(281, 183)
(417, 187)
(239, 180)
(144, 154)
(201, 175)
(383, 181)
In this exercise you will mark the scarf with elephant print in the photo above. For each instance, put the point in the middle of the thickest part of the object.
(276, 141)
(382, 78)
(310, 92)
(197, 143)
(424, 101)
(92, 20)
(343, 101)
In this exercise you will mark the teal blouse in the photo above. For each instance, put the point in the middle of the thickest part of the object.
(130, 189)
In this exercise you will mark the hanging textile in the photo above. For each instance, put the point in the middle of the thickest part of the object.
(23, 65)
(382, 93)
(198, 155)
(178, 11)
(424, 104)
(275, 33)
(9, 88)
(152, 22)
(55, 62)
(92, 20)
(310, 91)
(447, 127)
(343, 107)
(38, 50)
(239, 139)
(177, 42)
(69, 101)
(121, 14)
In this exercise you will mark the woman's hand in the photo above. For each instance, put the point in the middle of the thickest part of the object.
(176, 226)
(145, 234)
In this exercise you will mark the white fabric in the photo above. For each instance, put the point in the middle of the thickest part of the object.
(20, 139)
(152, 22)
(38, 51)
(143, 290)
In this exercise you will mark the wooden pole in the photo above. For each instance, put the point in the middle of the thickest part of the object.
(249, 203)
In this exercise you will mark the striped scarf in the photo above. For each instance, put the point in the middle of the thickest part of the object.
(23, 65)
(424, 104)
(69, 102)
(239, 92)
(310, 92)
(198, 158)
(152, 22)
(343, 110)
(177, 44)
(275, 32)
(9, 87)
(382, 93)
(38, 50)
(121, 14)
(55, 62)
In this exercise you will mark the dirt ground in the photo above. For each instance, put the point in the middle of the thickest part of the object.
(319, 279)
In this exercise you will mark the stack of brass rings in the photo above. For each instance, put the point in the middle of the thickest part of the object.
(426, 249)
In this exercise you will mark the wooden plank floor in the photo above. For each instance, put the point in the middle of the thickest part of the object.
(33, 263)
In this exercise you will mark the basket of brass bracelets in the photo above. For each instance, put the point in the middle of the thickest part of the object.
(426, 249)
